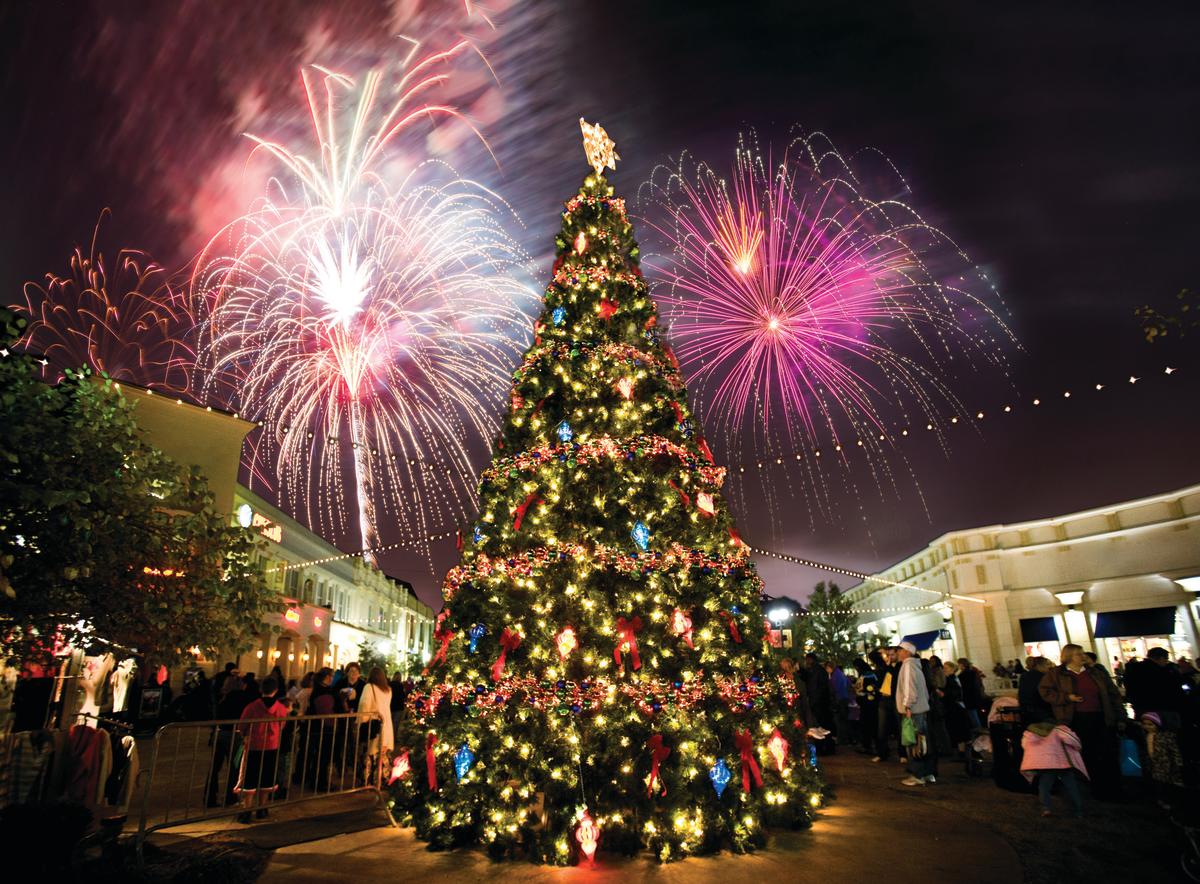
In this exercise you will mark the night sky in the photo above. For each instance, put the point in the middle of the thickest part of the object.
(1057, 146)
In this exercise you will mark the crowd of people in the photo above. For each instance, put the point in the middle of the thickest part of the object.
(260, 752)
(1067, 723)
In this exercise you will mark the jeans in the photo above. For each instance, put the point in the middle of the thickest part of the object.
(888, 725)
(1070, 783)
(926, 766)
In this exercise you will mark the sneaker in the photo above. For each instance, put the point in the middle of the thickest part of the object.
(877, 758)
(931, 779)
(912, 781)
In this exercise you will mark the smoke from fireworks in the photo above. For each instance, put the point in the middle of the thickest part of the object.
(365, 321)
(121, 317)
(808, 313)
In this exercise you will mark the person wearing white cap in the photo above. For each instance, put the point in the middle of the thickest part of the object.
(912, 701)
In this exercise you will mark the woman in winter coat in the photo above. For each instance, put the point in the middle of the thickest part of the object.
(377, 732)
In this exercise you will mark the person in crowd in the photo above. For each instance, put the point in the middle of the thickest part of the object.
(840, 694)
(1033, 707)
(353, 686)
(397, 686)
(972, 691)
(251, 686)
(260, 770)
(1084, 698)
(935, 681)
(1159, 689)
(866, 691)
(218, 681)
(820, 699)
(1051, 753)
(320, 736)
(233, 701)
(1092, 660)
(303, 693)
(1000, 670)
(1165, 760)
(1016, 670)
(958, 726)
(889, 724)
(912, 702)
(277, 674)
(377, 734)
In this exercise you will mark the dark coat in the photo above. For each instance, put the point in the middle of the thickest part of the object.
(1059, 683)
(1033, 707)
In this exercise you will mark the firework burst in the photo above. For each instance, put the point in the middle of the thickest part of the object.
(810, 314)
(120, 317)
(366, 325)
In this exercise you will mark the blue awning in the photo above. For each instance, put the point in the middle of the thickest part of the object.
(1038, 629)
(1143, 621)
(923, 641)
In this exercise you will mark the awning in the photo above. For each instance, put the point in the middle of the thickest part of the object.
(1038, 629)
(923, 640)
(1144, 621)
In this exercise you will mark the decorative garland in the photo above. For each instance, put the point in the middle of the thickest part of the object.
(618, 352)
(571, 276)
(614, 204)
(524, 564)
(597, 449)
(571, 697)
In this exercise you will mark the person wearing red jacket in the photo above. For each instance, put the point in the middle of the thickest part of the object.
(260, 765)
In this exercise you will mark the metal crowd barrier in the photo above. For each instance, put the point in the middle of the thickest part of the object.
(200, 770)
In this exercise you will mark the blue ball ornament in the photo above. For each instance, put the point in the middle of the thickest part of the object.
(720, 776)
(564, 432)
(641, 536)
(475, 633)
(463, 759)
(559, 315)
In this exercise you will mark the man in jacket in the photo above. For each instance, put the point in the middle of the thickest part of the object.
(912, 702)
(886, 671)
(1085, 699)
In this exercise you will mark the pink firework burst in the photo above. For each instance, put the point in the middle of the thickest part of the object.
(120, 317)
(808, 312)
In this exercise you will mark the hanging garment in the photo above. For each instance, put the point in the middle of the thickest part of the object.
(122, 677)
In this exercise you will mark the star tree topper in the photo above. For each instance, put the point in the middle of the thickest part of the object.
(600, 149)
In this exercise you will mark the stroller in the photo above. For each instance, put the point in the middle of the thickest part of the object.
(997, 751)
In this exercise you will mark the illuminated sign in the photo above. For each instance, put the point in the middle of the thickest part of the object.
(292, 616)
(317, 621)
(248, 518)
(245, 515)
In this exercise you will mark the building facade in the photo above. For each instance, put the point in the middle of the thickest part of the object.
(1117, 580)
(334, 602)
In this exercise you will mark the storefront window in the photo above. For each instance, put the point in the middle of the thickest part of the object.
(1049, 650)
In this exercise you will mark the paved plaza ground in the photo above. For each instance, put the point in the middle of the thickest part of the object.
(961, 829)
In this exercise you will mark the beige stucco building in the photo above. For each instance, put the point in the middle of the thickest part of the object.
(1117, 579)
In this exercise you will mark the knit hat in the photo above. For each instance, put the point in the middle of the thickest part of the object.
(1153, 718)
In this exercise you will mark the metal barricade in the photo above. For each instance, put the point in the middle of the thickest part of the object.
(208, 769)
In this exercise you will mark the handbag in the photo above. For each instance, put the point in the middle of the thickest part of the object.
(908, 732)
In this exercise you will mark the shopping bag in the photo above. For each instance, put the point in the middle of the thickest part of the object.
(1131, 762)
(908, 732)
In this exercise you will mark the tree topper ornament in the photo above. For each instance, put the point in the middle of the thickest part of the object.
(600, 149)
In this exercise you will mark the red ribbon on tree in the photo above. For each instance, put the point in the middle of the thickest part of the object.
(607, 308)
(440, 657)
(687, 501)
(509, 641)
(671, 356)
(745, 744)
(627, 631)
(678, 411)
(521, 510)
(431, 761)
(706, 451)
(736, 538)
(733, 630)
(658, 754)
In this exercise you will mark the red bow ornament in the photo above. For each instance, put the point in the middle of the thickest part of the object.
(509, 641)
(445, 637)
(733, 630)
(400, 768)
(627, 631)
(681, 625)
(523, 508)
(431, 762)
(745, 745)
(706, 451)
(658, 754)
(607, 308)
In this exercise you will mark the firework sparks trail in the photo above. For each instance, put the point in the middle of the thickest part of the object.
(121, 317)
(808, 313)
(353, 311)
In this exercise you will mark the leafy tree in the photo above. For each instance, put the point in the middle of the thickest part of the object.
(602, 646)
(370, 656)
(830, 628)
(1157, 325)
(102, 537)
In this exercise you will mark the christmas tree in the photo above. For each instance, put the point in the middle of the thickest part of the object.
(602, 675)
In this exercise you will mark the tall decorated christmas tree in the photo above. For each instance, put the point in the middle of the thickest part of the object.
(601, 674)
